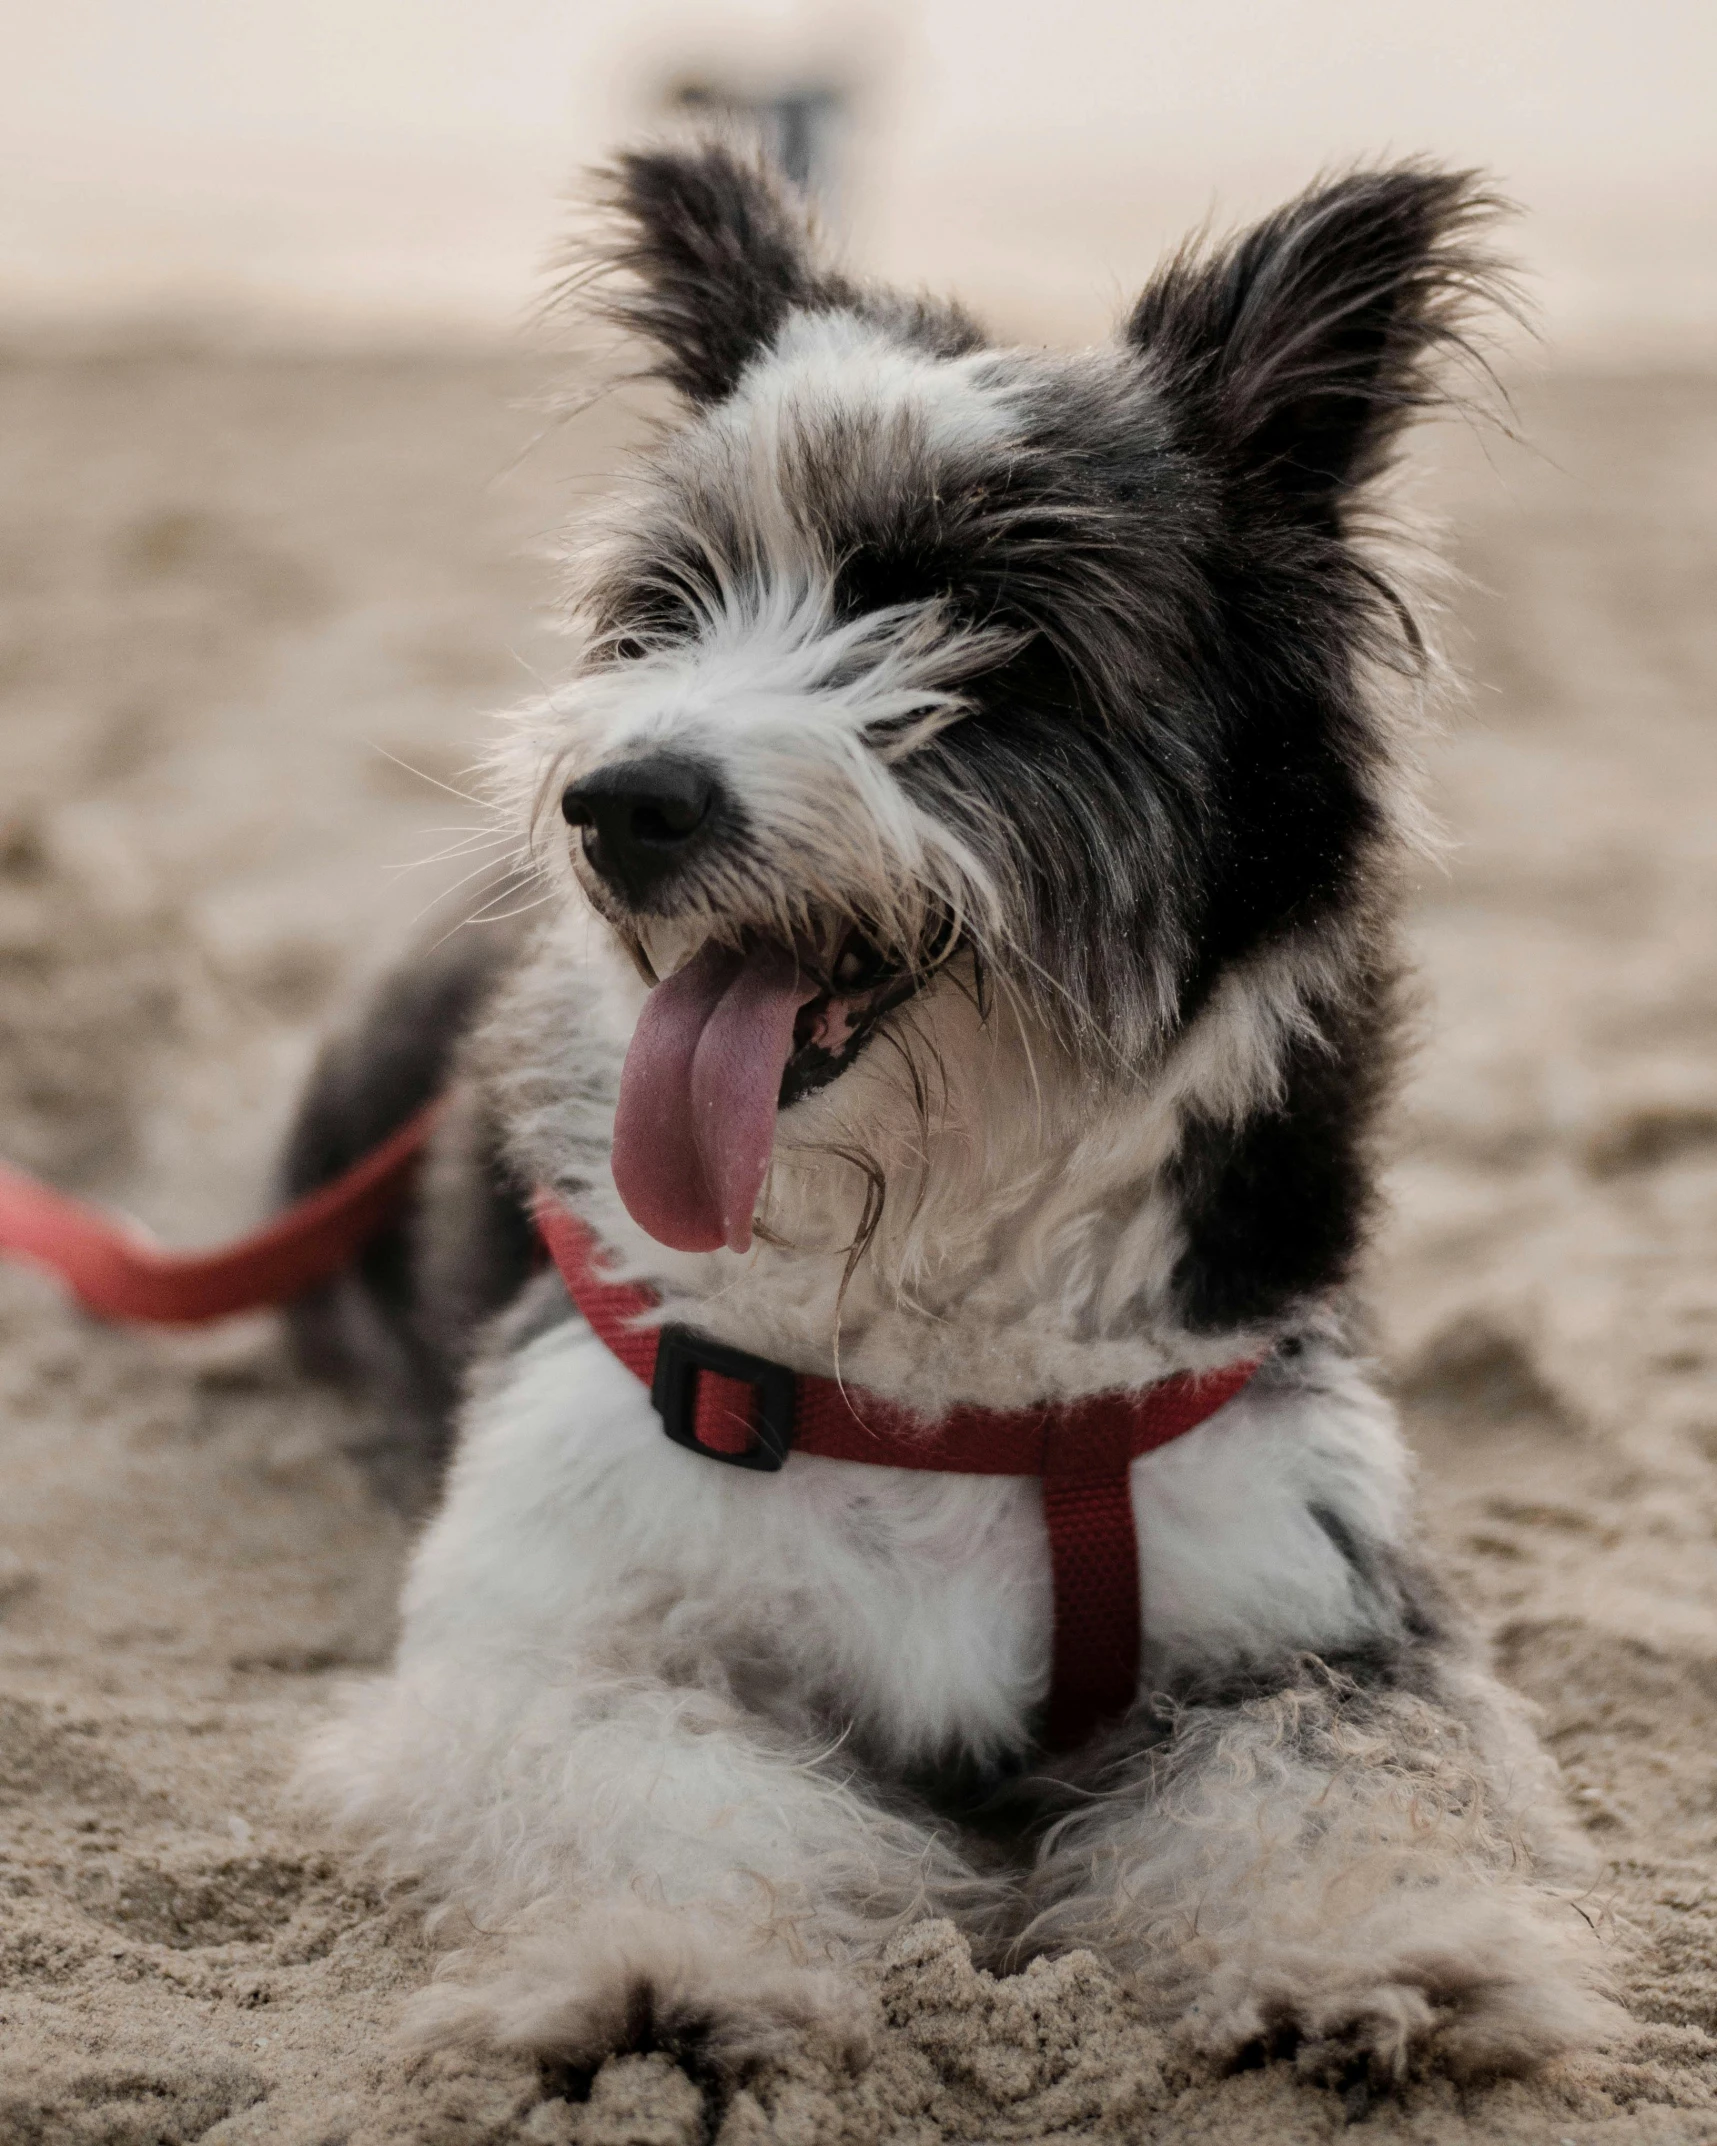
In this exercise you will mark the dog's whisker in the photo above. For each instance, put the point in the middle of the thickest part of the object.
(422, 775)
(489, 915)
(491, 867)
(469, 847)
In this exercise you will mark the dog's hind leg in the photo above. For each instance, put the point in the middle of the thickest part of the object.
(1336, 1872)
(399, 1324)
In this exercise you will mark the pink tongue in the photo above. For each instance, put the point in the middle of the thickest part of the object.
(696, 1119)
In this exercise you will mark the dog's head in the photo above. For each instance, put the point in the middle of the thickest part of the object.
(918, 673)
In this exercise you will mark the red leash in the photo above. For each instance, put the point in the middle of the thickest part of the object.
(718, 1401)
(113, 1269)
(749, 1412)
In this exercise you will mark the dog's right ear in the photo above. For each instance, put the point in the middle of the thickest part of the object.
(712, 252)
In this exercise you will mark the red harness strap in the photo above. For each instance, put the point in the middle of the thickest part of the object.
(719, 1401)
(742, 1409)
(113, 1269)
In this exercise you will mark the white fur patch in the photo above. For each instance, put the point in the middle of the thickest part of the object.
(1235, 1566)
(590, 1589)
(835, 366)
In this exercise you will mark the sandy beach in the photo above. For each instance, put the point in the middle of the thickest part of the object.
(254, 613)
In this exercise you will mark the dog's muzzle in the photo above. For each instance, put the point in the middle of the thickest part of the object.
(644, 821)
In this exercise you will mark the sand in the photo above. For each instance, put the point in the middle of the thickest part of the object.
(230, 586)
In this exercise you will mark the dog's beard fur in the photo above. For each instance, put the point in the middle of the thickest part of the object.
(1075, 692)
(964, 1214)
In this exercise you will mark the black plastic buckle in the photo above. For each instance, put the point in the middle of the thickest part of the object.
(680, 1356)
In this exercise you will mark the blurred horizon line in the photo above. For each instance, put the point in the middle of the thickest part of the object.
(359, 169)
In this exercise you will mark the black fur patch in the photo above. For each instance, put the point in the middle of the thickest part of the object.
(1275, 1209)
(1303, 349)
(400, 1321)
(373, 1077)
(714, 252)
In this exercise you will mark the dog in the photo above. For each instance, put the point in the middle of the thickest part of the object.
(964, 858)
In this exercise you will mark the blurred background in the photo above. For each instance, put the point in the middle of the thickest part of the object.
(283, 467)
(377, 162)
(286, 450)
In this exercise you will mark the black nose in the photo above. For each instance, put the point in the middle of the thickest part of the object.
(644, 820)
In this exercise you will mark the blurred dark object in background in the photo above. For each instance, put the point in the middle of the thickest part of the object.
(799, 123)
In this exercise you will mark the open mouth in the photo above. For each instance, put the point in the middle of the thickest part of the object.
(830, 1030)
(724, 1044)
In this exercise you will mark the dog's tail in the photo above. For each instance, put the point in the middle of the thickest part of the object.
(398, 1325)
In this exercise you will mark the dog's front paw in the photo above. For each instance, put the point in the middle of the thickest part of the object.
(1481, 1993)
(636, 1979)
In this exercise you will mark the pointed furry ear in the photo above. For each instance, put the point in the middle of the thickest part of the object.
(712, 250)
(1308, 343)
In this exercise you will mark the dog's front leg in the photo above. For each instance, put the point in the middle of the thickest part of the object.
(629, 1863)
(676, 1879)
(593, 1753)
(1332, 1872)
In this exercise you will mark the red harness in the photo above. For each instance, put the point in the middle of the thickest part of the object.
(743, 1410)
(718, 1401)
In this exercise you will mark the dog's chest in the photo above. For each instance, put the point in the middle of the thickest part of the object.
(913, 1607)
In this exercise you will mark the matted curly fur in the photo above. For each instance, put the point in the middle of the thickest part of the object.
(1022, 742)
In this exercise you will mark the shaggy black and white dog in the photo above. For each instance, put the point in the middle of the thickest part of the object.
(974, 815)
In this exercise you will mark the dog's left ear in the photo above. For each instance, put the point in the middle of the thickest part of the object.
(713, 251)
(1306, 345)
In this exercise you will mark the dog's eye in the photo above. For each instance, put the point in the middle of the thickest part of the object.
(628, 648)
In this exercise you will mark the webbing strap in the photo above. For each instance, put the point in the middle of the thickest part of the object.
(1083, 1451)
(113, 1269)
